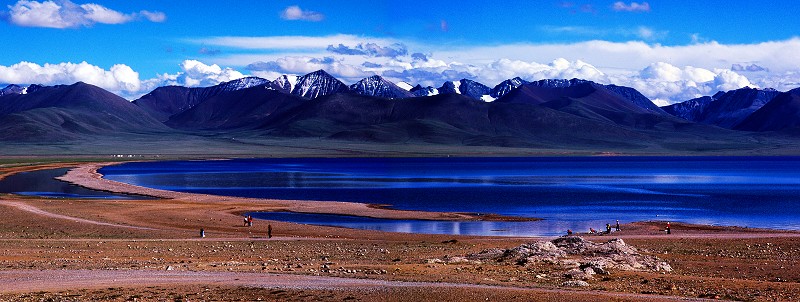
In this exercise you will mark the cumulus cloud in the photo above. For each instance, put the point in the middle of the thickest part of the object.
(668, 84)
(66, 14)
(118, 78)
(370, 49)
(294, 12)
(633, 7)
(196, 74)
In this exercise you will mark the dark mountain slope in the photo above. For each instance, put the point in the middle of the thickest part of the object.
(590, 100)
(781, 113)
(164, 102)
(689, 110)
(733, 107)
(237, 109)
(443, 119)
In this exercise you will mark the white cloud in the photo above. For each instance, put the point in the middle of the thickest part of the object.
(633, 7)
(119, 78)
(667, 84)
(157, 17)
(195, 74)
(66, 14)
(300, 65)
(294, 12)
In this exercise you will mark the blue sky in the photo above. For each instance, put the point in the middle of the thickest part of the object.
(670, 50)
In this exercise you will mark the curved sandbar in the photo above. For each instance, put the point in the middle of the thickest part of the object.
(87, 175)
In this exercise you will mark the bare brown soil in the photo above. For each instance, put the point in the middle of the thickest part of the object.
(150, 250)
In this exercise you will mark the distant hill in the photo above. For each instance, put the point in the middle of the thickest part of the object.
(443, 119)
(724, 109)
(781, 113)
(69, 112)
(592, 101)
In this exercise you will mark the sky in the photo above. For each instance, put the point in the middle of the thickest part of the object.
(669, 50)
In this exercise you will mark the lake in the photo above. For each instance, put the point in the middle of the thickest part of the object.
(43, 183)
(567, 192)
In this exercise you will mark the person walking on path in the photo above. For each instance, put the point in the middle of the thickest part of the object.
(617, 225)
(269, 231)
(202, 233)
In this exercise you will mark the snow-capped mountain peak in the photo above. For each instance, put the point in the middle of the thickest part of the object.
(380, 87)
(242, 83)
(317, 84)
(506, 86)
(13, 89)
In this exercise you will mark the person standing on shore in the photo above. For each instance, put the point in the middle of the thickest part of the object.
(202, 233)
(668, 230)
(617, 225)
(269, 231)
(608, 228)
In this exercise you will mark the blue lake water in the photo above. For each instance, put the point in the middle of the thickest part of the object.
(568, 193)
(43, 183)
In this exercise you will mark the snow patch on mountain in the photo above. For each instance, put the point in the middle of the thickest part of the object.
(405, 86)
(457, 86)
(286, 83)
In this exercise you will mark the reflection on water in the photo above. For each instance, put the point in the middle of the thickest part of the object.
(481, 228)
(43, 183)
(572, 193)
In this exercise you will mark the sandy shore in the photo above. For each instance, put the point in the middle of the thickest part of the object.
(150, 250)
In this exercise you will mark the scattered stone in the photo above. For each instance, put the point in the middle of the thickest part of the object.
(580, 257)
(575, 284)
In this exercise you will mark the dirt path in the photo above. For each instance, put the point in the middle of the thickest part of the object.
(37, 211)
(16, 281)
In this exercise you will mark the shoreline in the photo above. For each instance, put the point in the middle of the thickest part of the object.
(87, 175)
(90, 240)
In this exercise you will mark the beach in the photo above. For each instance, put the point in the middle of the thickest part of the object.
(68, 249)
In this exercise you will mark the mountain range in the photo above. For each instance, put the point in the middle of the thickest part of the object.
(544, 114)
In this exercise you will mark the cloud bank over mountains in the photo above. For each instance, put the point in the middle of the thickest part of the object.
(666, 74)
